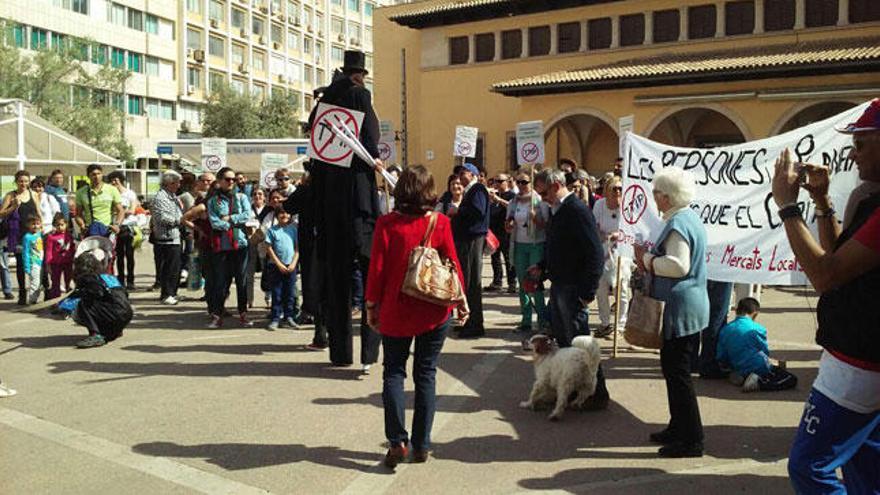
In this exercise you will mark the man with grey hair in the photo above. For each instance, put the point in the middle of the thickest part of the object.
(165, 216)
(573, 262)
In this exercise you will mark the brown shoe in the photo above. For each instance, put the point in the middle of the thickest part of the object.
(419, 456)
(395, 455)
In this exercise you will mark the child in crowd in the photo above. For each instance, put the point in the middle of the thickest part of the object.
(102, 303)
(59, 256)
(742, 345)
(32, 258)
(283, 255)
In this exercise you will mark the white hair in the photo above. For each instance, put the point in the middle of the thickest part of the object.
(550, 176)
(170, 176)
(676, 183)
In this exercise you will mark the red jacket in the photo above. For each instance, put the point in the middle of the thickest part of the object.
(59, 248)
(394, 238)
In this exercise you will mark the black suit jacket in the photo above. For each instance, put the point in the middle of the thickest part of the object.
(573, 253)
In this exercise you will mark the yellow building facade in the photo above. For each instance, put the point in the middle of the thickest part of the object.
(689, 72)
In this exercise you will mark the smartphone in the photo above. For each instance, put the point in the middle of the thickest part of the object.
(803, 178)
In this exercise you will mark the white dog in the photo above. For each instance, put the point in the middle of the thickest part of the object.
(561, 372)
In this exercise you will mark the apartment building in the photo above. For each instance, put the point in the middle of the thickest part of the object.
(177, 51)
(688, 72)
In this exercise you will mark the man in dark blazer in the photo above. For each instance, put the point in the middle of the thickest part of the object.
(573, 261)
(346, 209)
(470, 222)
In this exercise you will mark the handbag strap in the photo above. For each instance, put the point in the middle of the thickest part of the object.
(431, 224)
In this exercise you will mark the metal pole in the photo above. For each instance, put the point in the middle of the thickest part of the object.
(616, 309)
(404, 139)
(19, 107)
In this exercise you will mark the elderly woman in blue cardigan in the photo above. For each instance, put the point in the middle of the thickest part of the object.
(678, 264)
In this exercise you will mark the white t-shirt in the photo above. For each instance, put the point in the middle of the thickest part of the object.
(526, 231)
(128, 198)
(853, 388)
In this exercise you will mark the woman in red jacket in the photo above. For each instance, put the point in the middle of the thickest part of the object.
(401, 318)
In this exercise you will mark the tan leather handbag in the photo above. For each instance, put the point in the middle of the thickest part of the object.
(429, 277)
(644, 320)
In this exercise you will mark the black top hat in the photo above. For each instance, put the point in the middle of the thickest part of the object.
(355, 61)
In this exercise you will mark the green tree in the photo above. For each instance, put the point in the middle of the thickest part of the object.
(65, 92)
(231, 115)
(278, 117)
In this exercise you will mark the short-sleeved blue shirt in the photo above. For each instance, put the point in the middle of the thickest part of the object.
(283, 241)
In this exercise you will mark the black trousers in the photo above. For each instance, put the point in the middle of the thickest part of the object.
(470, 255)
(335, 310)
(20, 278)
(228, 266)
(167, 268)
(125, 257)
(684, 411)
(501, 262)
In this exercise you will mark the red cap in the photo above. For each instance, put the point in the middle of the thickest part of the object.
(868, 122)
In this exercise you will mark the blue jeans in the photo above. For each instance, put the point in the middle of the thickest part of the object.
(357, 287)
(830, 437)
(283, 292)
(719, 306)
(5, 278)
(426, 354)
(568, 319)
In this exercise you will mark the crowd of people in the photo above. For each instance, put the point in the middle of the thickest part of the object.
(553, 225)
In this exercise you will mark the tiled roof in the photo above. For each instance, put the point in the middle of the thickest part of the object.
(436, 8)
(805, 58)
(439, 13)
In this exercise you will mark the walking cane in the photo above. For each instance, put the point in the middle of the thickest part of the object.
(616, 309)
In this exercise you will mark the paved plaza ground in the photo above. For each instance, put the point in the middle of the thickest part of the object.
(173, 407)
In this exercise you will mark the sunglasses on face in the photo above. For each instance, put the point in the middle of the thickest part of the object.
(283, 178)
(522, 182)
(228, 179)
(617, 189)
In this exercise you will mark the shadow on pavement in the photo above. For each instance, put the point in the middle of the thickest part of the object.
(134, 370)
(237, 456)
(49, 341)
(459, 404)
(252, 350)
(571, 480)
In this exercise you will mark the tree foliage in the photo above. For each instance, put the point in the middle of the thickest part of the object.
(67, 92)
(231, 115)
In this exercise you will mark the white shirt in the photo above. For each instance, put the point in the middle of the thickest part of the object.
(849, 387)
(48, 208)
(128, 198)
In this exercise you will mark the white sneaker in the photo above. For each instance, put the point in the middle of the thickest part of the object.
(6, 392)
(751, 383)
(365, 369)
(170, 301)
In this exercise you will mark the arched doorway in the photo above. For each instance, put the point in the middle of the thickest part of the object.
(585, 138)
(813, 113)
(697, 128)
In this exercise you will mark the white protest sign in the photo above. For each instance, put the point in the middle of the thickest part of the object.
(746, 240)
(269, 164)
(213, 154)
(387, 145)
(465, 141)
(624, 125)
(324, 145)
(530, 142)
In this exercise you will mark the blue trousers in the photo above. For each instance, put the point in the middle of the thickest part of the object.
(425, 356)
(283, 292)
(5, 279)
(719, 306)
(830, 437)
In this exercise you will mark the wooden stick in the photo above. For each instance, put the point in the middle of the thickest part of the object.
(616, 309)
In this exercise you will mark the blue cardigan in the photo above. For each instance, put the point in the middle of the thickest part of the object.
(472, 220)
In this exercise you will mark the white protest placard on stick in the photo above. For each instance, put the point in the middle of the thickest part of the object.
(746, 239)
(465, 144)
(530, 142)
(624, 125)
(213, 154)
(324, 144)
(387, 145)
(269, 164)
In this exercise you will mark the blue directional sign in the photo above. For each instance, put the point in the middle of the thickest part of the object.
(164, 150)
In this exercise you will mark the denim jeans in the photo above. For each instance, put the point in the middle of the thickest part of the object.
(719, 306)
(228, 266)
(5, 278)
(568, 319)
(425, 356)
(357, 286)
(283, 292)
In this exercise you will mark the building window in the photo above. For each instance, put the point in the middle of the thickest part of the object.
(354, 31)
(278, 34)
(458, 50)
(292, 9)
(568, 37)
(485, 47)
(238, 18)
(321, 77)
(190, 113)
(257, 26)
(739, 18)
(153, 107)
(238, 85)
(701, 22)
(135, 105)
(292, 40)
(19, 36)
(864, 10)
(215, 11)
(59, 43)
(117, 14)
(307, 45)
(117, 101)
(336, 2)
(166, 29)
(539, 41)
(821, 13)
(308, 101)
(81, 6)
(39, 39)
(135, 62)
(216, 80)
(194, 6)
(215, 46)
(152, 64)
(117, 58)
(237, 55)
(99, 54)
(632, 29)
(354, 5)
(193, 39)
(368, 9)
(308, 75)
(778, 15)
(336, 26)
(599, 31)
(259, 61)
(194, 77)
(336, 53)
(136, 19)
(666, 26)
(152, 24)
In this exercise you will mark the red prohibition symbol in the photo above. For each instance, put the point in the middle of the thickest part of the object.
(464, 149)
(323, 136)
(529, 152)
(384, 151)
(635, 202)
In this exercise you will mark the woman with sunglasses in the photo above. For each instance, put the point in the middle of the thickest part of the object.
(283, 183)
(606, 211)
(527, 216)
